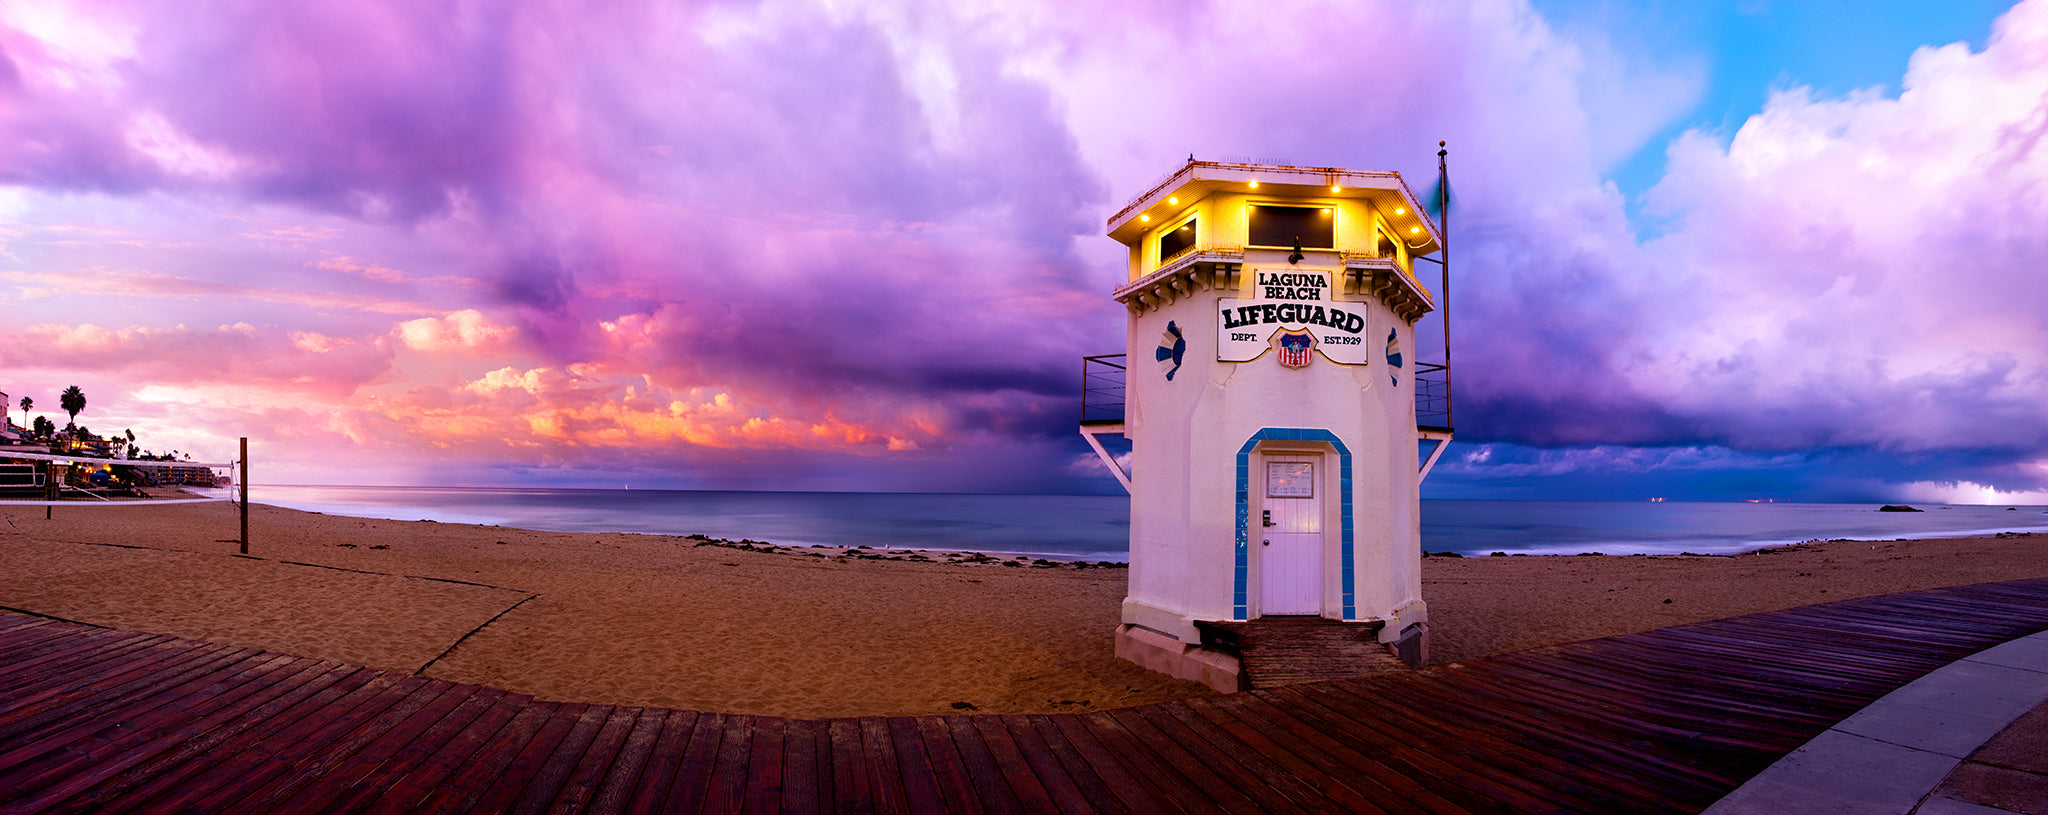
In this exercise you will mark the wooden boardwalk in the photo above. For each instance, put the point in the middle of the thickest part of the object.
(99, 720)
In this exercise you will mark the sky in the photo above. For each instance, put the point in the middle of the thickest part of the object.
(1703, 250)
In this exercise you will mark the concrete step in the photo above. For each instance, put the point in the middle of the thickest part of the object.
(1276, 651)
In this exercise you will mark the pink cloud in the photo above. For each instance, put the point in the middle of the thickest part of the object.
(467, 331)
(240, 354)
(1866, 270)
(527, 233)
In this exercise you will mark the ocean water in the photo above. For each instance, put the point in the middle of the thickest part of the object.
(1086, 527)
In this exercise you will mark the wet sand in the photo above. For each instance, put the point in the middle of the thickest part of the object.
(684, 622)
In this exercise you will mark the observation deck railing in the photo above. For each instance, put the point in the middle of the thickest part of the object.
(1432, 397)
(1102, 389)
(1102, 393)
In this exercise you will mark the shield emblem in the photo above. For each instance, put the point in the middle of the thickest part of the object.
(1294, 348)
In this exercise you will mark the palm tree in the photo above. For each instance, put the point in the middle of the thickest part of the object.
(26, 403)
(73, 402)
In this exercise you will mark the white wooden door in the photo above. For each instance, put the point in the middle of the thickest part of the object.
(1291, 543)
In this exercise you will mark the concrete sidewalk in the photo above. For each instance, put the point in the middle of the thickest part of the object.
(1971, 737)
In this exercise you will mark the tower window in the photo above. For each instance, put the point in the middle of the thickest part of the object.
(1385, 246)
(1177, 240)
(1280, 226)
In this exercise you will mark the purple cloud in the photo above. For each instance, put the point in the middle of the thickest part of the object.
(876, 231)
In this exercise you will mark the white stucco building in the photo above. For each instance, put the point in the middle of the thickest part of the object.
(1270, 401)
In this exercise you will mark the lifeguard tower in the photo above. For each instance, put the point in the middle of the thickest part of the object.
(1270, 395)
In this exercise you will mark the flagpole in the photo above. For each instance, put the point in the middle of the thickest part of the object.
(1443, 229)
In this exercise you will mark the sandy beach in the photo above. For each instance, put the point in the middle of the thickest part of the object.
(682, 622)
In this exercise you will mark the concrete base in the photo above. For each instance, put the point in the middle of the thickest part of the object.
(1181, 660)
(1411, 645)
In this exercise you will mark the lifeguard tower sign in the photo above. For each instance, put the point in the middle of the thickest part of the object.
(1289, 301)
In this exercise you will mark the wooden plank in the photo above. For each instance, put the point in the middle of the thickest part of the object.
(1523, 764)
(600, 760)
(27, 643)
(728, 790)
(1620, 752)
(493, 726)
(1219, 784)
(806, 768)
(913, 766)
(98, 686)
(1949, 620)
(551, 773)
(1704, 700)
(650, 793)
(1851, 624)
(994, 790)
(949, 769)
(1661, 720)
(1219, 748)
(2031, 592)
(1765, 662)
(1020, 774)
(1591, 713)
(1769, 647)
(633, 763)
(66, 662)
(416, 750)
(764, 780)
(1226, 769)
(885, 774)
(1051, 755)
(24, 645)
(1650, 668)
(520, 771)
(1710, 700)
(851, 789)
(1270, 760)
(59, 641)
(478, 775)
(250, 771)
(326, 749)
(115, 753)
(1026, 747)
(1085, 756)
(1995, 619)
(191, 757)
(1749, 726)
(38, 756)
(1121, 748)
(1471, 787)
(1835, 627)
(693, 778)
(348, 773)
(1339, 759)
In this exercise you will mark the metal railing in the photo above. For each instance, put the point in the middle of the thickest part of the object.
(1102, 389)
(1102, 392)
(1432, 396)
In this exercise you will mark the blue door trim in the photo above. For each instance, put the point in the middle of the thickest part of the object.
(1244, 457)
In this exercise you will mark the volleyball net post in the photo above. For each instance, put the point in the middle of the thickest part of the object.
(243, 483)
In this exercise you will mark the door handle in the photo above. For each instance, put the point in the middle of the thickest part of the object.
(1266, 517)
(1265, 543)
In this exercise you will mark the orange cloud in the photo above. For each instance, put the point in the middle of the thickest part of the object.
(580, 406)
